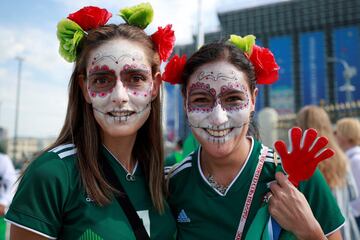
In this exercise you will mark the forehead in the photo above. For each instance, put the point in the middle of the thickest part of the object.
(217, 74)
(118, 51)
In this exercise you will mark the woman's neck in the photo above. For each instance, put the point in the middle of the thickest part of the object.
(121, 148)
(225, 168)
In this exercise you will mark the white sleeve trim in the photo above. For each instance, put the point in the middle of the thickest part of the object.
(327, 234)
(29, 229)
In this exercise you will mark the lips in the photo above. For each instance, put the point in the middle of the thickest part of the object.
(121, 113)
(218, 133)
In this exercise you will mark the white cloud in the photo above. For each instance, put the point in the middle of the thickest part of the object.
(42, 105)
(38, 47)
(44, 81)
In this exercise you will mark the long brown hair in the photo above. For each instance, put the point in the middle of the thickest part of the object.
(335, 168)
(80, 123)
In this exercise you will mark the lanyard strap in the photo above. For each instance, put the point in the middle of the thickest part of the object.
(251, 193)
(124, 201)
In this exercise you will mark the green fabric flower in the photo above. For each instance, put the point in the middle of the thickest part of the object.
(244, 43)
(69, 34)
(140, 15)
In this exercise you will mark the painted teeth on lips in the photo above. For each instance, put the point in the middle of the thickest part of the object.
(219, 133)
(120, 113)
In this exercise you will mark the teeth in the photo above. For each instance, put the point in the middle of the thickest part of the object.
(218, 133)
(121, 119)
(121, 114)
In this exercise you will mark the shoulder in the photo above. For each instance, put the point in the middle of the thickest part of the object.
(4, 158)
(182, 168)
(322, 202)
(5, 162)
(54, 163)
(272, 163)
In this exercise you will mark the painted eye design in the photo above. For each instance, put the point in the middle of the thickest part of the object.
(101, 81)
(233, 99)
(137, 78)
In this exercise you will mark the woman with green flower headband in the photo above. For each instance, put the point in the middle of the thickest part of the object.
(232, 186)
(103, 176)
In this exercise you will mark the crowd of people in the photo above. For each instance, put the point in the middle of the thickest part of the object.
(104, 178)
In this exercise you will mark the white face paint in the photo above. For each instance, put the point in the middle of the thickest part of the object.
(119, 84)
(218, 102)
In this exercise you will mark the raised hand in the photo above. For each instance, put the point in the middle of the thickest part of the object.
(306, 152)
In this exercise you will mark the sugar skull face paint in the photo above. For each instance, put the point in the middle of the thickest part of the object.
(120, 86)
(218, 103)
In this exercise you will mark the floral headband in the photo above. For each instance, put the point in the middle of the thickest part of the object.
(71, 30)
(266, 68)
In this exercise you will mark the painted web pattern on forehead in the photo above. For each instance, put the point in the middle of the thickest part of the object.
(100, 56)
(205, 76)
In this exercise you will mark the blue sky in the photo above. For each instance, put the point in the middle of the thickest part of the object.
(28, 29)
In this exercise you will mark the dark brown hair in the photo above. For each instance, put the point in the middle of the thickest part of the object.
(80, 123)
(218, 51)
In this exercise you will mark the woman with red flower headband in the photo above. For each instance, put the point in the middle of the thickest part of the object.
(232, 186)
(103, 176)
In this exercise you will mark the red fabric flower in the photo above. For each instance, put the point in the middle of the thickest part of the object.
(266, 68)
(174, 69)
(90, 17)
(164, 39)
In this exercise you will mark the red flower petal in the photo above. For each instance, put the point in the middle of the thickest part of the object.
(90, 17)
(266, 68)
(174, 69)
(164, 39)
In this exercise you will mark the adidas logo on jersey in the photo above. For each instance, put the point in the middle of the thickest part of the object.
(183, 218)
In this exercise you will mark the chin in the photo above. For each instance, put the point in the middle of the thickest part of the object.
(215, 146)
(120, 129)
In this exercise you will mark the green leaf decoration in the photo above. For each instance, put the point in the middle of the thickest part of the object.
(69, 34)
(244, 43)
(140, 15)
(90, 235)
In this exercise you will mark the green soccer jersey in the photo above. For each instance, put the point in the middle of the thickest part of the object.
(205, 213)
(51, 202)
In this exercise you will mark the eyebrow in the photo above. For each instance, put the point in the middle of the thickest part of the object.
(230, 91)
(101, 72)
(135, 70)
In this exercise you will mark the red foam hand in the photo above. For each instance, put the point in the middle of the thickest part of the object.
(306, 152)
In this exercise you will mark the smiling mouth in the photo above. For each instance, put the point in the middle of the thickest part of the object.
(218, 133)
(121, 113)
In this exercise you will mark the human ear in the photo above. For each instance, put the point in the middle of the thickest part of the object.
(156, 85)
(253, 98)
(81, 80)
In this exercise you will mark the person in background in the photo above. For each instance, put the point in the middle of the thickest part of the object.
(227, 188)
(176, 155)
(7, 183)
(335, 169)
(103, 176)
(347, 133)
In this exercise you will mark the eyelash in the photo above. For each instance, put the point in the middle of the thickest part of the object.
(138, 78)
(101, 80)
